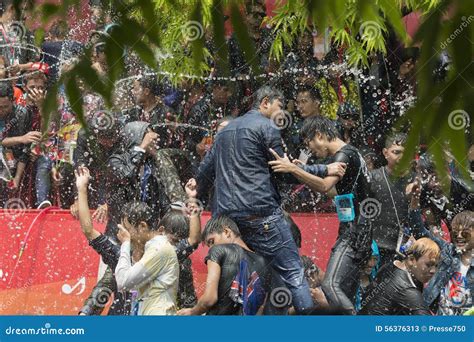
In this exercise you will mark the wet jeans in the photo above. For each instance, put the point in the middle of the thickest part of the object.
(271, 237)
(43, 179)
(348, 256)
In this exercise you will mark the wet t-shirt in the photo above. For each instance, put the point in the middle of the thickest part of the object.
(356, 178)
(228, 256)
(455, 297)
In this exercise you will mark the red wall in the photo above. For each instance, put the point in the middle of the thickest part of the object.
(56, 255)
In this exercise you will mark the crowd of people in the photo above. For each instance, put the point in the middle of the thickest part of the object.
(309, 135)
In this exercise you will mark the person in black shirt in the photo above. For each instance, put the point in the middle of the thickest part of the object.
(397, 288)
(391, 224)
(227, 255)
(354, 240)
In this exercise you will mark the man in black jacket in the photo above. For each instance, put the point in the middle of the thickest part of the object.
(245, 190)
(397, 288)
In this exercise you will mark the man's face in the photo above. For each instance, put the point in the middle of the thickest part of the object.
(6, 106)
(306, 105)
(318, 146)
(3, 69)
(371, 263)
(138, 92)
(424, 268)
(462, 238)
(393, 155)
(219, 238)
(221, 94)
(255, 17)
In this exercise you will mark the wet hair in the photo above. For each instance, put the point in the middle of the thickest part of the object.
(396, 139)
(217, 224)
(36, 75)
(267, 92)
(423, 246)
(464, 219)
(175, 223)
(409, 53)
(6, 89)
(151, 82)
(295, 230)
(136, 212)
(318, 124)
(313, 92)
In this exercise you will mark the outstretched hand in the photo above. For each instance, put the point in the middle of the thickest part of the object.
(82, 177)
(281, 164)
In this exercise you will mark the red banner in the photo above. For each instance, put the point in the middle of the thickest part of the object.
(48, 268)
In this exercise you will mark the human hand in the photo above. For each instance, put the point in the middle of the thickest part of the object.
(337, 169)
(82, 178)
(35, 96)
(191, 188)
(149, 139)
(100, 214)
(31, 137)
(123, 234)
(283, 165)
(185, 312)
(56, 175)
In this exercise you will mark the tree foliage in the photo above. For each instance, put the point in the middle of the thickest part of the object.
(170, 36)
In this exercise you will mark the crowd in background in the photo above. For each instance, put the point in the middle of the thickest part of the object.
(157, 149)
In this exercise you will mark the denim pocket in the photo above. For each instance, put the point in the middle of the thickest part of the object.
(269, 237)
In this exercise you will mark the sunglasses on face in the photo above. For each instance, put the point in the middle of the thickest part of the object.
(465, 233)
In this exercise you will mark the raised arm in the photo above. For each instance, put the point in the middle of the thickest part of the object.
(82, 182)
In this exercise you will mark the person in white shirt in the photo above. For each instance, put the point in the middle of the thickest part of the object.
(155, 275)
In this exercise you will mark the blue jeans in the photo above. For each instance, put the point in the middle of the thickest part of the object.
(43, 179)
(271, 237)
